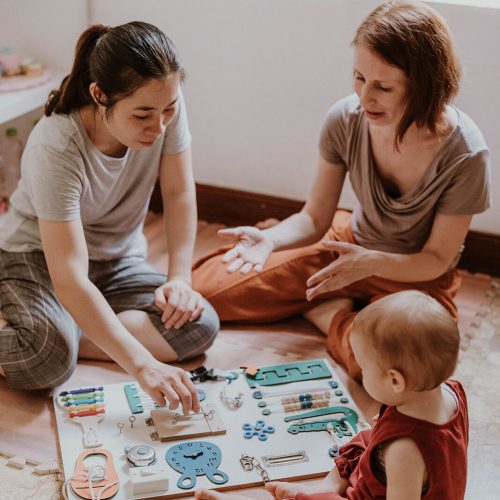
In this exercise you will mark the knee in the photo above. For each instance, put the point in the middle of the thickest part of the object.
(202, 334)
(210, 325)
(41, 365)
(61, 371)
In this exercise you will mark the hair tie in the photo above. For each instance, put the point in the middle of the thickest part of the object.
(106, 31)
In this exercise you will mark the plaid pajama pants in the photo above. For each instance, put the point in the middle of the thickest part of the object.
(39, 346)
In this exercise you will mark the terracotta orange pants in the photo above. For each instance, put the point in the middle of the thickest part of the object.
(279, 291)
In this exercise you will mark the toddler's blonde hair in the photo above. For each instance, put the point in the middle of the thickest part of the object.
(414, 334)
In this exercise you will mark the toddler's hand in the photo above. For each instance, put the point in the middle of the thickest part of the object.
(281, 490)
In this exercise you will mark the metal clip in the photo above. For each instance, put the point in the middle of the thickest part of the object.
(286, 459)
(249, 463)
(191, 416)
(246, 463)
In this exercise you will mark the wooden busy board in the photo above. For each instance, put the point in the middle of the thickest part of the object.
(228, 434)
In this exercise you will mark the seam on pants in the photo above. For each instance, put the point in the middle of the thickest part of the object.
(47, 327)
(23, 360)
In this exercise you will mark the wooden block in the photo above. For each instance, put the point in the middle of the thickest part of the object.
(48, 468)
(149, 479)
(33, 461)
(250, 370)
(170, 427)
(17, 462)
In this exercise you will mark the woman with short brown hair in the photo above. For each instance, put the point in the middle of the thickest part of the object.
(419, 168)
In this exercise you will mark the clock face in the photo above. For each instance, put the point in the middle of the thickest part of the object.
(196, 458)
(194, 455)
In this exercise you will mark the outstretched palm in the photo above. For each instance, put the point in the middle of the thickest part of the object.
(253, 248)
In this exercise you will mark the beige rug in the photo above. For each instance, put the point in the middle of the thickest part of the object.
(478, 369)
(24, 484)
(479, 372)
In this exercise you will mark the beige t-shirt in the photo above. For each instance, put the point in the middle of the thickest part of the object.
(64, 177)
(457, 182)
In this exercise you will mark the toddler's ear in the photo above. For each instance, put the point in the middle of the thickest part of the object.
(397, 379)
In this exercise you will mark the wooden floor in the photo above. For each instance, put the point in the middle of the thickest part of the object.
(27, 422)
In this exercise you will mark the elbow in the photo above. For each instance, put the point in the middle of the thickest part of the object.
(319, 224)
(441, 263)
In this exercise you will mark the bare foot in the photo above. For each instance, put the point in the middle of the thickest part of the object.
(282, 490)
(321, 316)
(215, 495)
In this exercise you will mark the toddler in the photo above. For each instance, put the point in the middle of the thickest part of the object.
(407, 346)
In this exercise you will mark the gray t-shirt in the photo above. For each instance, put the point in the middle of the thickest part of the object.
(455, 183)
(65, 177)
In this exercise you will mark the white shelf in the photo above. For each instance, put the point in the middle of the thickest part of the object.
(19, 102)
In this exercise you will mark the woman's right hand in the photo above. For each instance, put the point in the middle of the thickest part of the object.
(253, 248)
(162, 381)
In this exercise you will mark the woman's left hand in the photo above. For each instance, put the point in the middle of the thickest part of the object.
(179, 303)
(353, 263)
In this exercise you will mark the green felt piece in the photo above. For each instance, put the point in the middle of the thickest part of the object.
(289, 372)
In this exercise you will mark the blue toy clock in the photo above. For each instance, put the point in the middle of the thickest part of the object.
(196, 458)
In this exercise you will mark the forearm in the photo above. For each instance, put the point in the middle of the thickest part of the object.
(180, 219)
(100, 324)
(297, 230)
(417, 267)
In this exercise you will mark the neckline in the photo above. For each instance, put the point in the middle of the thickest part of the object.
(91, 145)
(447, 387)
(417, 185)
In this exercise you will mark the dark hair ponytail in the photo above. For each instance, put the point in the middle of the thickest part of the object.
(74, 90)
(119, 60)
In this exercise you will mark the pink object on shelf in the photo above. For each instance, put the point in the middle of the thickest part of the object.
(22, 82)
(9, 61)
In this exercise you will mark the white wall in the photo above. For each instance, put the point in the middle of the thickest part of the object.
(262, 74)
(46, 30)
(477, 35)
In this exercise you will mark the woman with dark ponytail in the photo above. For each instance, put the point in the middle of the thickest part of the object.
(74, 278)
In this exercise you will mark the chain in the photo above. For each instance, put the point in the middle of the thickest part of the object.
(249, 463)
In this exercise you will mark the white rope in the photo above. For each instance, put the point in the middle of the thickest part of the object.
(95, 474)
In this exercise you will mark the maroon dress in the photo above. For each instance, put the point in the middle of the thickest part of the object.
(443, 448)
